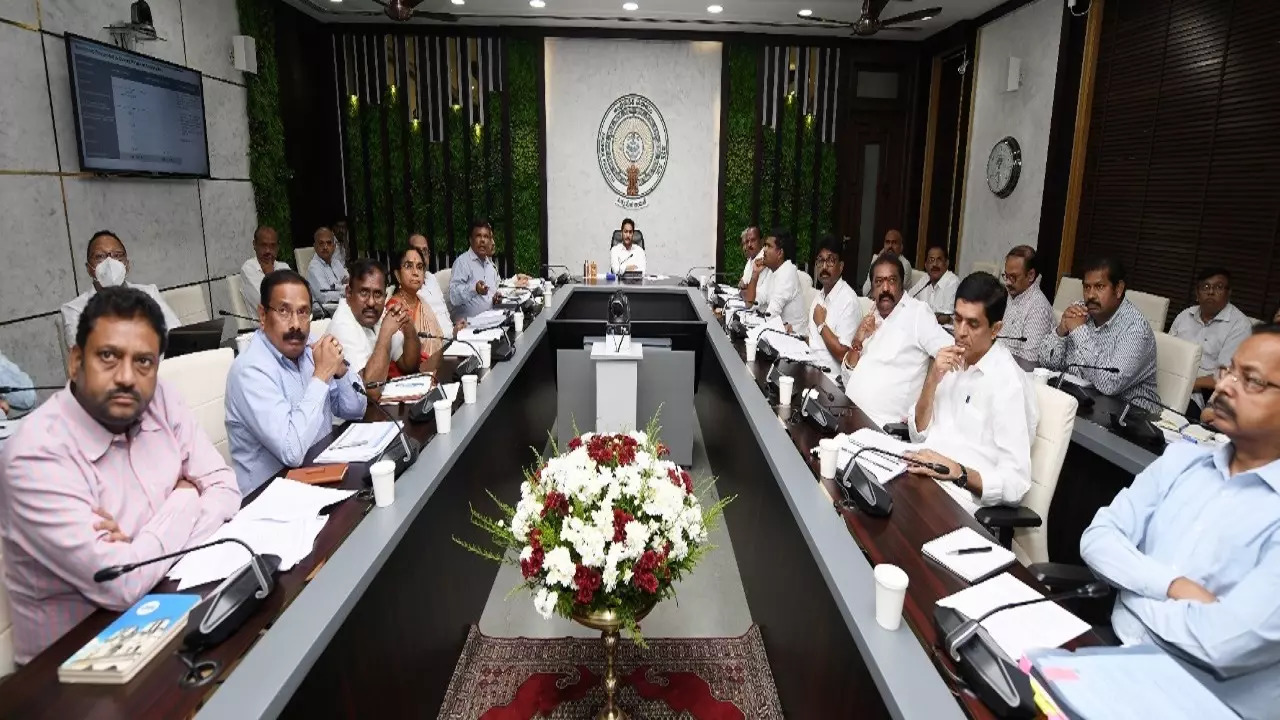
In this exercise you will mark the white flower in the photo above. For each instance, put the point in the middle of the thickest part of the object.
(560, 567)
(586, 539)
(526, 553)
(639, 436)
(679, 548)
(664, 500)
(544, 601)
(637, 536)
(615, 555)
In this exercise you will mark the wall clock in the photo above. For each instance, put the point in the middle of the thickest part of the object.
(1004, 164)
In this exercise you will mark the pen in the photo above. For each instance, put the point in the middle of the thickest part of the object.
(971, 550)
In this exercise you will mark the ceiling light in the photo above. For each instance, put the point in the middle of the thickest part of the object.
(537, 4)
(927, 17)
(805, 12)
(630, 6)
(459, 2)
(715, 9)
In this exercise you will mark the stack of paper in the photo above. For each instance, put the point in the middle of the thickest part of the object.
(881, 467)
(475, 336)
(487, 319)
(360, 442)
(461, 350)
(970, 566)
(788, 346)
(284, 520)
(405, 389)
(1042, 625)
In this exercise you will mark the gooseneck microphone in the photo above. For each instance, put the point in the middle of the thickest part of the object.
(408, 446)
(967, 629)
(108, 574)
(224, 313)
(467, 365)
(6, 389)
(1083, 398)
(690, 280)
(1014, 338)
(563, 278)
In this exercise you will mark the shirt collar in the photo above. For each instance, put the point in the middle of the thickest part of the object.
(835, 289)
(1269, 473)
(94, 439)
(1224, 315)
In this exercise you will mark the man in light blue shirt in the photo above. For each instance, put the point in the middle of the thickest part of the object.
(20, 402)
(473, 286)
(326, 273)
(1194, 544)
(283, 393)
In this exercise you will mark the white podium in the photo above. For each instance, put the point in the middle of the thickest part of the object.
(616, 377)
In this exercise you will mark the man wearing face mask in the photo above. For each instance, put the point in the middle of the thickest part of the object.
(266, 251)
(108, 264)
(111, 470)
(283, 393)
(968, 415)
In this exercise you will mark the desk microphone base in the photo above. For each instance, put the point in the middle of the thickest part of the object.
(998, 682)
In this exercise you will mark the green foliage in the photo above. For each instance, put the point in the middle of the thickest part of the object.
(805, 241)
(371, 117)
(355, 176)
(268, 169)
(827, 190)
(786, 172)
(397, 121)
(526, 178)
(437, 227)
(739, 152)
(457, 134)
(417, 185)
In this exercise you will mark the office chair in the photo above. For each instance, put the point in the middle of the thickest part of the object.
(637, 238)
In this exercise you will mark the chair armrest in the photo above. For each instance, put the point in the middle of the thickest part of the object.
(1004, 516)
(1062, 577)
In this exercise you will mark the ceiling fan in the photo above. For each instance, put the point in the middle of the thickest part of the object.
(870, 23)
(402, 10)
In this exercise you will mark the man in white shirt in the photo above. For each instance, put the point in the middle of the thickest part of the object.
(327, 276)
(266, 248)
(835, 313)
(370, 340)
(937, 288)
(968, 416)
(778, 292)
(892, 244)
(108, 263)
(626, 256)
(751, 250)
(431, 294)
(1214, 324)
(886, 363)
(1029, 313)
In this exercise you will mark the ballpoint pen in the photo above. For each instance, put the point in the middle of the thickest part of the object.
(971, 550)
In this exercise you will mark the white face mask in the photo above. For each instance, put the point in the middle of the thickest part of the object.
(110, 273)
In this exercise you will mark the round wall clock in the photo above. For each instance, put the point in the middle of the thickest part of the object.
(1003, 167)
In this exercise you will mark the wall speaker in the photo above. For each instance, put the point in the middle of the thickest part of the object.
(244, 53)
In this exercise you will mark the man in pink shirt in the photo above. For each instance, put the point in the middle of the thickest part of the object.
(112, 469)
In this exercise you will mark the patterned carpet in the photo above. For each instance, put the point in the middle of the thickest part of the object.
(688, 678)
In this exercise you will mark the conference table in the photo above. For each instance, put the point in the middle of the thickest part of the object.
(372, 623)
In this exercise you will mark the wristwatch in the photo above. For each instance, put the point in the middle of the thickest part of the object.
(962, 482)
(822, 327)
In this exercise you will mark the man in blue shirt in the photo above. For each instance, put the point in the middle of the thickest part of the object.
(327, 275)
(1194, 544)
(283, 393)
(473, 286)
(20, 402)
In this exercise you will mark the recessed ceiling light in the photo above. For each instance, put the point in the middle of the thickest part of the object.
(537, 4)
(714, 9)
(459, 2)
(630, 6)
(805, 12)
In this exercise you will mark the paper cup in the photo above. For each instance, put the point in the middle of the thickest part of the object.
(891, 591)
(518, 319)
(444, 416)
(486, 355)
(383, 474)
(469, 383)
(786, 384)
(751, 351)
(828, 451)
(1042, 375)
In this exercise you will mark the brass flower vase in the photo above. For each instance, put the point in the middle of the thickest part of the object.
(608, 623)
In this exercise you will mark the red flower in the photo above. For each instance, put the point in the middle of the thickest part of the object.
(588, 581)
(646, 581)
(688, 481)
(612, 450)
(663, 450)
(555, 503)
(533, 565)
(620, 519)
(535, 538)
(647, 562)
(575, 443)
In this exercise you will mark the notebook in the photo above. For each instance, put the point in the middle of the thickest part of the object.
(971, 567)
(126, 646)
(319, 474)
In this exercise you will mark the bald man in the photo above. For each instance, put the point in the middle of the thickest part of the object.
(892, 243)
(266, 249)
(326, 273)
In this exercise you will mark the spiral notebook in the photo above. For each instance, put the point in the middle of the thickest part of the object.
(972, 567)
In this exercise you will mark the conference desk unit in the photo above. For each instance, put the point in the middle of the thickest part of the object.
(372, 623)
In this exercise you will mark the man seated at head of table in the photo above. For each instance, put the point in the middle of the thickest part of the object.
(892, 245)
(627, 256)
(266, 251)
(1214, 324)
(1105, 330)
(431, 293)
(835, 312)
(371, 340)
(752, 247)
(1029, 313)
(326, 274)
(108, 264)
(111, 470)
(1194, 543)
(473, 285)
(285, 389)
(886, 363)
(778, 291)
(937, 288)
(968, 416)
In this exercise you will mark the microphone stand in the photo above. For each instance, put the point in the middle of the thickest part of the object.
(690, 280)
(563, 278)
(6, 389)
(1083, 398)
(409, 447)
(467, 365)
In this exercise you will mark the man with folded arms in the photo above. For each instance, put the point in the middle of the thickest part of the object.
(886, 363)
(111, 470)
(835, 313)
(1029, 313)
(325, 273)
(1193, 545)
(779, 290)
(283, 393)
(371, 342)
(977, 413)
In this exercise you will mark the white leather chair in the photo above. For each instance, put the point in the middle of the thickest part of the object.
(867, 304)
(442, 278)
(916, 276)
(236, 302)
(1070, 290)
(60, 331)
(319, 327)
(807, 293)
(302, 259)
(1154, 308)
(201, 379)
(188, 303)
(1177, 365)
(989, 268)
(6, 626)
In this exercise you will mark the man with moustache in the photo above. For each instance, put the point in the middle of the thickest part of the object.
(967, 416)
(1214, 324)
(751, 250)
(266, 250)
(892, 245)
(1029, 313)
(835, 313)
(626, 256)
(778, 291)
(282, 394)
(1193, 545)
(108, 264)
(325, 273)
(113, 469)
(371, 341)
(473, 286)
(1106, 331)
(886, 363)
(937, 288)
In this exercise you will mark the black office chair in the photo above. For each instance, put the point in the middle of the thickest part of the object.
(637, 238)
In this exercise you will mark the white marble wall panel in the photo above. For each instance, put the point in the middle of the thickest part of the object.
(19, 11)
(33, 345)
(209, 26)
(37, 274)
(230, 217)
(55, 52)
(221, 296)
(26, 135)
(227, 126)
(158, 221)
(89, 17)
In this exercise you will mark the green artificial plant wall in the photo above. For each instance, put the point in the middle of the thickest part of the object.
(526, 176)
(739, 151)
(268, 169)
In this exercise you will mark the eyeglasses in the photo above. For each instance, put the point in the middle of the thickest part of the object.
(288, 313)
(367, 294)
(1007, 278)
(114, 254)
(1212, 288)
(828, 260)
(411, 265)
(1252, 384)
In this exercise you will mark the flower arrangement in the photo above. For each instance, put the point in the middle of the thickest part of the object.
(609, 525)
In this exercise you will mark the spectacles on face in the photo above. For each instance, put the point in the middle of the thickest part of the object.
(369, 294)
(1250, 382)
(114, 254)
(1010, 279)
(830, 260)
(286, 313)
(1207, 288)
(411, 265)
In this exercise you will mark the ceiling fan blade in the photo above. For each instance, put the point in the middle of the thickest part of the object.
(876, 7)
(815, 18)
(911, 16)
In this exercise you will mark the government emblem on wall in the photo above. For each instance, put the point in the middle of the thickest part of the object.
(631, 148)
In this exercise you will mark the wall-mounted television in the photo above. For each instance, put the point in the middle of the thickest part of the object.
(135, 114)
